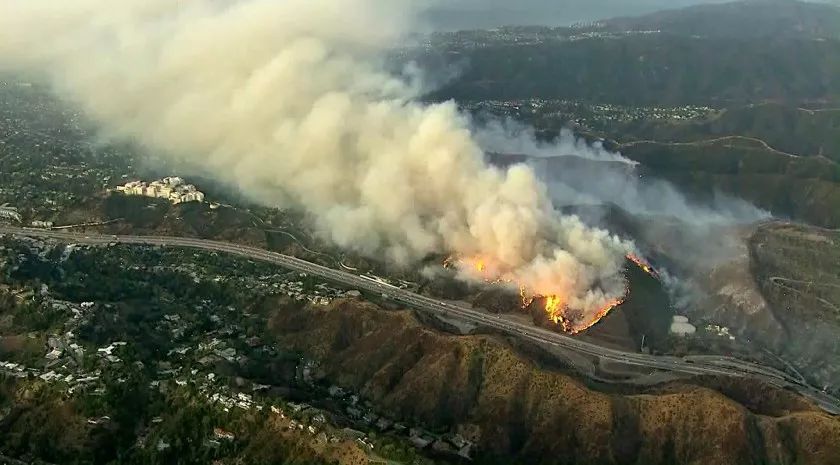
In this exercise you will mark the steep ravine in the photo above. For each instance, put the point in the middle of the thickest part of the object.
(514, 408)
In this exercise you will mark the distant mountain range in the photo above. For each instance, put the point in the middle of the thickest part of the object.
(486, 14)
(717, 54)
(750, 18)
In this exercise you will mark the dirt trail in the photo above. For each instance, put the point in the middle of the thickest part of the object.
(763, 144)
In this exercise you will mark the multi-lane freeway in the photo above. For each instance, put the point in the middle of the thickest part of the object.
(706, 365)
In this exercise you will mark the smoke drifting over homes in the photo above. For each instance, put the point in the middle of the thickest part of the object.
(290, 102)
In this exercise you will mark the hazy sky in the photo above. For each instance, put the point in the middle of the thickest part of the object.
(465, 14)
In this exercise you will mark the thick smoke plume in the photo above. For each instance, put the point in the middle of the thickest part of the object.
(288, 101)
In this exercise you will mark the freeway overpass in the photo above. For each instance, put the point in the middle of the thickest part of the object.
(704, 365)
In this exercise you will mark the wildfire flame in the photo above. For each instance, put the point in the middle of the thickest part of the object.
(555, 306)
(559, 313)
(645, 266)
(604, 311)
(527, 300)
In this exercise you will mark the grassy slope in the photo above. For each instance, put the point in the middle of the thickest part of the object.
(805, 188)
(796, 269)
(786, 128)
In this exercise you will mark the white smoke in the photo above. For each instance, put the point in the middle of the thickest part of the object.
(288, 101)
(512, 137)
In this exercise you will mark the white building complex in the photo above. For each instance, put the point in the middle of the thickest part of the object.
(174, 189)
(681, 327)
(9, 213)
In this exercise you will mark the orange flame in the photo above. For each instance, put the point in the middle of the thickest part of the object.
(604, 311)
(559, 314)
(527, 300)
(645, 266)
(555, 306)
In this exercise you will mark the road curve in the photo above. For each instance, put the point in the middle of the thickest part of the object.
(696, 365)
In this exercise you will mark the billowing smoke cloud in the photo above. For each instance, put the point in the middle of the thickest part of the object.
(288, 100)
(692, 234)
(691, 239)
(512, 137)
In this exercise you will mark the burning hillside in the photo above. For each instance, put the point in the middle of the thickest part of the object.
(556, 306)
(311, 121)
(645, 266)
